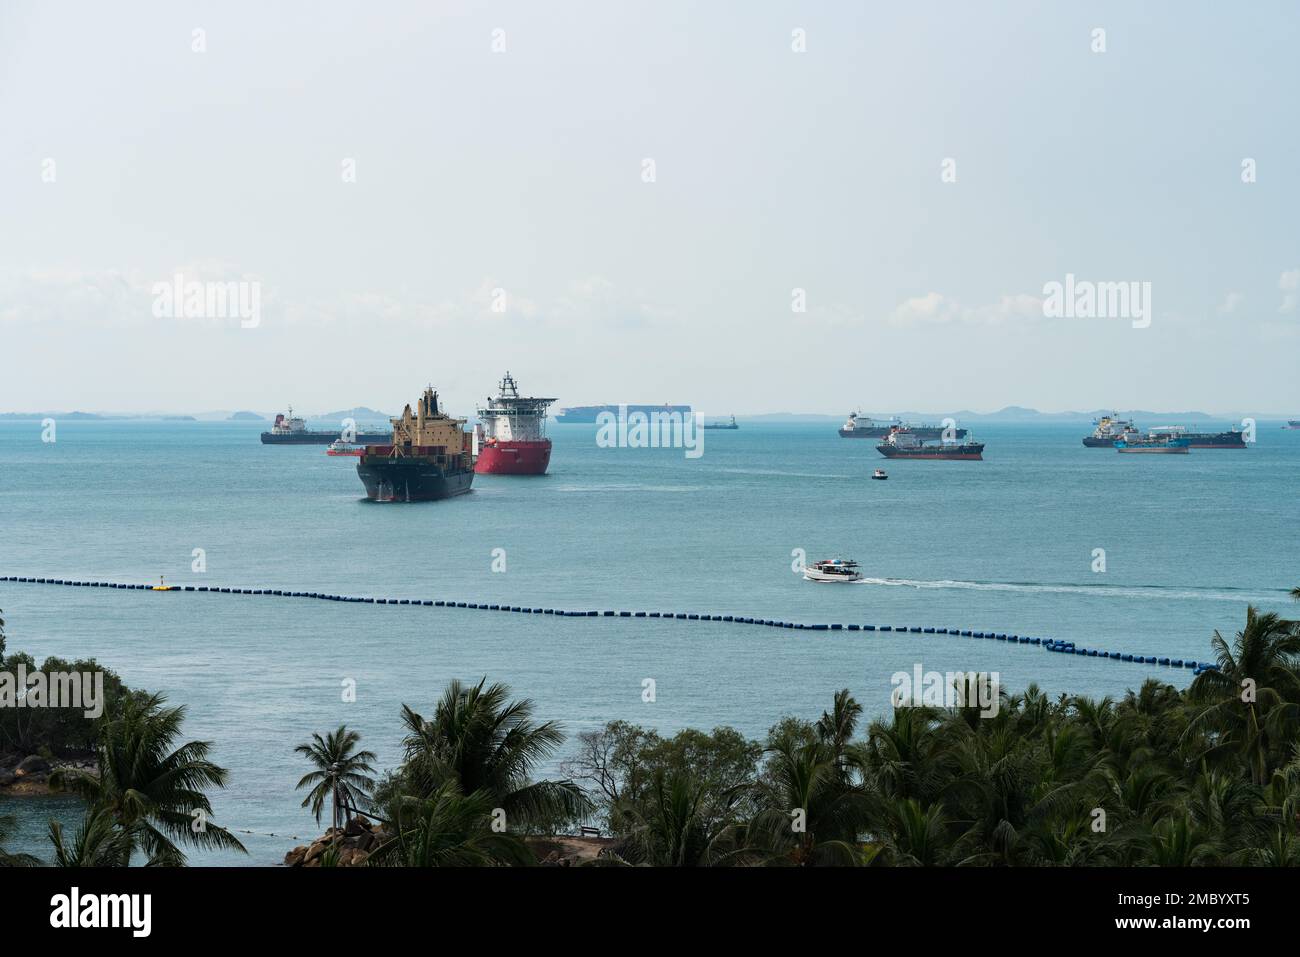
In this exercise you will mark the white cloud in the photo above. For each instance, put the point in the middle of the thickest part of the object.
(935, 307)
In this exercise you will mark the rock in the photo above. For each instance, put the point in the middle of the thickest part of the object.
(356, 827)
(367, 841)
(294, 858)
(32, 764)
(7, 778)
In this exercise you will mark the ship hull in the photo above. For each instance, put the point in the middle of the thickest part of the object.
(324, 438)
(411, 480)
(965, 453)
(514, 458)
(1223, 440)
(1166, 450)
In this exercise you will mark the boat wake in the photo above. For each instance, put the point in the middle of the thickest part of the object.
(1098, 590)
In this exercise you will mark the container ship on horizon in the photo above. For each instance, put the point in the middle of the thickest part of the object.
(429, 457)
(289, 429)
(582, 414)
(510, 434)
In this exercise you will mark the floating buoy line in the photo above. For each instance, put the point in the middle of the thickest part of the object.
(1047, 644)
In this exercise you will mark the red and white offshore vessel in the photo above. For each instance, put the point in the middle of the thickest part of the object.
(511, 433)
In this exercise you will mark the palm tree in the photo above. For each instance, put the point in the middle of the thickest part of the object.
(1264, 657)
(342, 774)
(484, 742)
(8, 859)
(98, 842)
(450, 829)
(1178, 842)
(154, 792)
(669, 826)
(915, 835)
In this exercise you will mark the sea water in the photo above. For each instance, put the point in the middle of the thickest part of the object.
(1009, 544)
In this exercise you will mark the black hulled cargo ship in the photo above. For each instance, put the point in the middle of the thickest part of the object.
(902, 443)
(430, 457)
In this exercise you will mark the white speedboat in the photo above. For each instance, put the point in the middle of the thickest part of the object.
(832, 570)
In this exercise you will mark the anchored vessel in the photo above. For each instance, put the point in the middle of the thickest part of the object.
(289, 429)
(430, 457)
(832, 570)
(722, 425)
(1109, 429)
(513, 433)
(588, 413)
(1159, 445)
(857, 426)
(903, 443)
(1231, 439)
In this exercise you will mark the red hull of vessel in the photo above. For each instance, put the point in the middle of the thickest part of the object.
(514, 458)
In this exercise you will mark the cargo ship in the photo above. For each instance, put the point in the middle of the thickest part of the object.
(1292, 424)
(1109, 430)
(289, 429)
(722, 425)
(857, 426)
(511, 433)
(904, 443)
(588, 413)
(1231, 439)
(1157, 445)
(428, 457)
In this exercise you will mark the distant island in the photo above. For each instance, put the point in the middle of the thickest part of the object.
(245, 417)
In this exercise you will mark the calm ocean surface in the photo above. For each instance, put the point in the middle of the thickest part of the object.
(1005, 544)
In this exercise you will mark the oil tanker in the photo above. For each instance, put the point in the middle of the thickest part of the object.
(429, 457)
(512, 430)
(289, 429)
(903, 443)
(857, 426)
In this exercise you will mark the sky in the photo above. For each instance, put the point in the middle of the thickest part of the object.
(630, 203)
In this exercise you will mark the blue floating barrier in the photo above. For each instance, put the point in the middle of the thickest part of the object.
(680, 615)
(788, 624)
(942, 631)
(697, 618)
(1092, 653)
(727, 618)
(928, 631)
(654, 614)
(640, 614)
(853, 627)
(548, 611)
(868, 627)
(836, 627)
(1177, 663)
(1162, 661)
(1126, 657)
(818, 627)
(187, 587)
(886, 627)
(625, 614)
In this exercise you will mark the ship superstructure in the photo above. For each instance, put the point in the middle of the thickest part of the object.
(512, 433)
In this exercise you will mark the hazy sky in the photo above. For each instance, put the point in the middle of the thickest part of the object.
(524, 171)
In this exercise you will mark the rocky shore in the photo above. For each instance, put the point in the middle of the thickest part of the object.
(28, 775)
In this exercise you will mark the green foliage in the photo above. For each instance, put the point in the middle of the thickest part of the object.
(1210, 776)
(480, 746)
(153, 790)
(341, 775)
(56, 732)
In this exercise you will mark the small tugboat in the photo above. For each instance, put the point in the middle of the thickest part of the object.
(1157, 444)
(339, 447)
(879, 474)
(832, 570)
